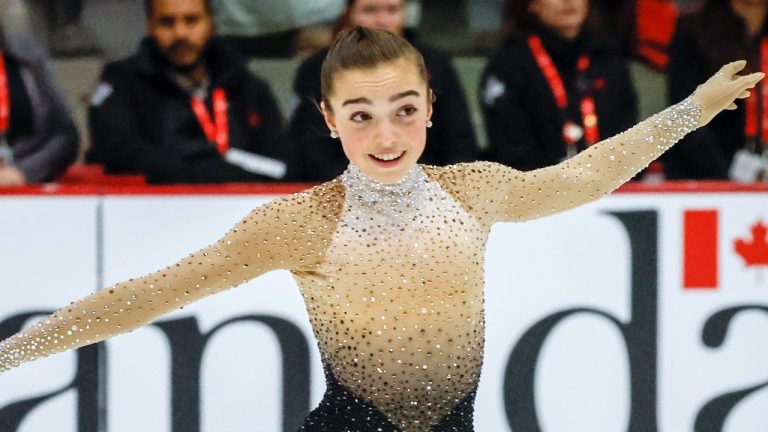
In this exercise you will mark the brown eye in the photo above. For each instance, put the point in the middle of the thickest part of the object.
(165, 21)
(407, 111)
(192, 20)
(360, 117)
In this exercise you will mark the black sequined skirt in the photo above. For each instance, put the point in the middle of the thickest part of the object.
(342, 411)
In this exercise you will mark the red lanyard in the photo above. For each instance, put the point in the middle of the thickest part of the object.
(216, 129)
(5, 99)
(754, 105)
(587, 104)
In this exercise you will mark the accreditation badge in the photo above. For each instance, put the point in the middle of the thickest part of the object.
(749, 167)
(572, 132)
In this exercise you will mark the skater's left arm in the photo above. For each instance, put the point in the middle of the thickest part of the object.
(498, 193)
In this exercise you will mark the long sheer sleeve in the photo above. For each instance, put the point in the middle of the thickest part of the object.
(288, 233)
(496, 193)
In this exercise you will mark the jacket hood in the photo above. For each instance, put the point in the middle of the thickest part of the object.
(23, 48)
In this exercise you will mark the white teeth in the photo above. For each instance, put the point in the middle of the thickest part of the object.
(388, 156)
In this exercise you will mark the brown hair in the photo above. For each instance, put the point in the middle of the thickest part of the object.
(516, 17)
(720, 34)
(364, 48)
(149, 6)
(345, 19)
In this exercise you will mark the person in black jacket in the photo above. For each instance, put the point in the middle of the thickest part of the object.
(451, 139)
(721, 30)
(554, 87)
(184, 109)
(38, 137)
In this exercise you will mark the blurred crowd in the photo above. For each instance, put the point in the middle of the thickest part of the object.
(179, 104)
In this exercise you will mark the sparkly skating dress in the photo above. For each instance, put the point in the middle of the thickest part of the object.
(392, 276)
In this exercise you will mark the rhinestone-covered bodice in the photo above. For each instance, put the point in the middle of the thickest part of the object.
(397, 304)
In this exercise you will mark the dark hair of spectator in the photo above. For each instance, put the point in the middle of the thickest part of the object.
(150, 4)
(515, 16)
(345, 20)
(364, 48)
(720, 32)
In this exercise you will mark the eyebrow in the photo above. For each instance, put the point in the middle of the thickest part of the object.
(393, 98)
(404, 94)
(363, 100)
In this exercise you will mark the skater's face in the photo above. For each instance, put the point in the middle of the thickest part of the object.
(380, 115)
(386, 15)
(181, 29)
(566, 17)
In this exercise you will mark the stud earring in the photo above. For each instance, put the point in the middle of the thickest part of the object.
(429, 123)
(334, 135)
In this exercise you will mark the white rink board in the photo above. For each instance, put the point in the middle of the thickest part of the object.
(579, 259)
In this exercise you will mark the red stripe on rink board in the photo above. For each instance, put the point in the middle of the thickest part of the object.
(700, 249)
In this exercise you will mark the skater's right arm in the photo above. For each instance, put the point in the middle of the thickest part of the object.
(288, 233)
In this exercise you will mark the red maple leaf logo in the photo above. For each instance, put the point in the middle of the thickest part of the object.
(754, 251)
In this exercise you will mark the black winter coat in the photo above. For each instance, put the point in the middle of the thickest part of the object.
(141, 120)
(706, 153)
(319, 157)
(524, 124)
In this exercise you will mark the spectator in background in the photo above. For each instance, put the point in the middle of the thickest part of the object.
(643, 28)
(733, 145)
(184, 109)
(484, 22)
(38, 138)
(556, 86)
(68, 37)
(269, 28)
(320, 157)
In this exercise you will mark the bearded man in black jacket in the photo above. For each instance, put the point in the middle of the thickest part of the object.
(184, 109)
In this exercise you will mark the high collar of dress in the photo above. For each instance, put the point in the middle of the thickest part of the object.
(363, 188)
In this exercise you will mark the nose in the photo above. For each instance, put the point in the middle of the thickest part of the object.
(180, 30)
(381, 21)
(386, 135)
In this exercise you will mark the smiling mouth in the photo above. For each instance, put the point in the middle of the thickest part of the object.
(387, 158)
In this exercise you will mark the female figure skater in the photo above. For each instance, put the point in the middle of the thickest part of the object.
(388, 256)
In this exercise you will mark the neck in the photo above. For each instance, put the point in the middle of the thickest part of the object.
(196, 74)
(752, 12)
(365, 190)
(569, 33)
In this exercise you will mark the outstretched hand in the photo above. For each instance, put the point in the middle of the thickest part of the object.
(723, 88)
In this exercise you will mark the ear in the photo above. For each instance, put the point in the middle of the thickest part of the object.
(533, 8)
(328, 116)
(430, 104)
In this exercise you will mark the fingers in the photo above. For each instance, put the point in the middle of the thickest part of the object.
(741, 86)
(751, 79)
(730, 69)
(757, 77)
(737, 66)
(731, 107)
